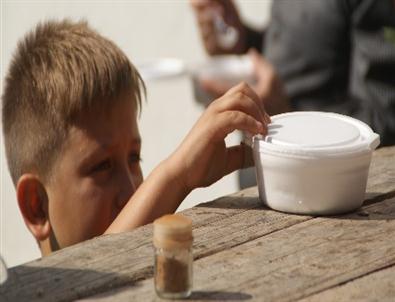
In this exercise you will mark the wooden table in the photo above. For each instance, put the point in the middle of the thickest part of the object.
(243, 251)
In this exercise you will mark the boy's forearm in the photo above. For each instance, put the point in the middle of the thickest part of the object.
(161, 193)
(201, 159)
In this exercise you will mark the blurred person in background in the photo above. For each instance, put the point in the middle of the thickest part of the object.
(332, 55)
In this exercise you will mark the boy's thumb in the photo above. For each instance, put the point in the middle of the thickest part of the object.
(239, 157)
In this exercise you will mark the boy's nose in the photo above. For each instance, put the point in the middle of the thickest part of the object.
(127, 189)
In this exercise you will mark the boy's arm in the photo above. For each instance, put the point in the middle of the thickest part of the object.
(199, 161)
(159, 194)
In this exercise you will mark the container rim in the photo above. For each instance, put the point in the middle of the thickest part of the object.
(369, 140)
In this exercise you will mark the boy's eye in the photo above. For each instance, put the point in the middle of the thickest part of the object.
(134, 158)
(102, 166)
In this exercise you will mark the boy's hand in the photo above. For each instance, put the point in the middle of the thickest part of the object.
(203, 157)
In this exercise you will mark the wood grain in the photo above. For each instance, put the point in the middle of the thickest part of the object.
(295, 262)
(378, 286)
(111, 261)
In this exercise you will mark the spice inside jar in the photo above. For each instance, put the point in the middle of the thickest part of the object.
(173, 256)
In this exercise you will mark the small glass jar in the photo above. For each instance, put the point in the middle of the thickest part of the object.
(173, 256)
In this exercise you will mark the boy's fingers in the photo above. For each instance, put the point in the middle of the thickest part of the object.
(236, 88)
(230, 121)
(247, 90)
(238, 157)
(259, 102)
(267, 118)
(241, 102)
(254, 96)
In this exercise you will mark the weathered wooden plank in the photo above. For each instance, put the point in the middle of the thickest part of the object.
(382, 172)
(292, 263)
(111, 261)
(378, 286)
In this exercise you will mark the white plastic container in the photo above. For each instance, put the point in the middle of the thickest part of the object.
(314, 162)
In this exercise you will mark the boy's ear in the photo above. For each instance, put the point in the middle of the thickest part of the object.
(33, 203)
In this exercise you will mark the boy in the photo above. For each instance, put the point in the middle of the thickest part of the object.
(72, 143)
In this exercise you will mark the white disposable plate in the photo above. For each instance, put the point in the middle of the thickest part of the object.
(230, 68)
(156, 69)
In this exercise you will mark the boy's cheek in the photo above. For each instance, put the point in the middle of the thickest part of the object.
(138, 177)
(84, 223)
(84, 214)
(95, 212)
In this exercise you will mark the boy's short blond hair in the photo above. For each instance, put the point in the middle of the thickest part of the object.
(60, 71)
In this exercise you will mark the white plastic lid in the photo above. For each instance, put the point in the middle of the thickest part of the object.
(317, 133)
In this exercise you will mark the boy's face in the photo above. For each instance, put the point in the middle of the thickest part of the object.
(96, 174)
